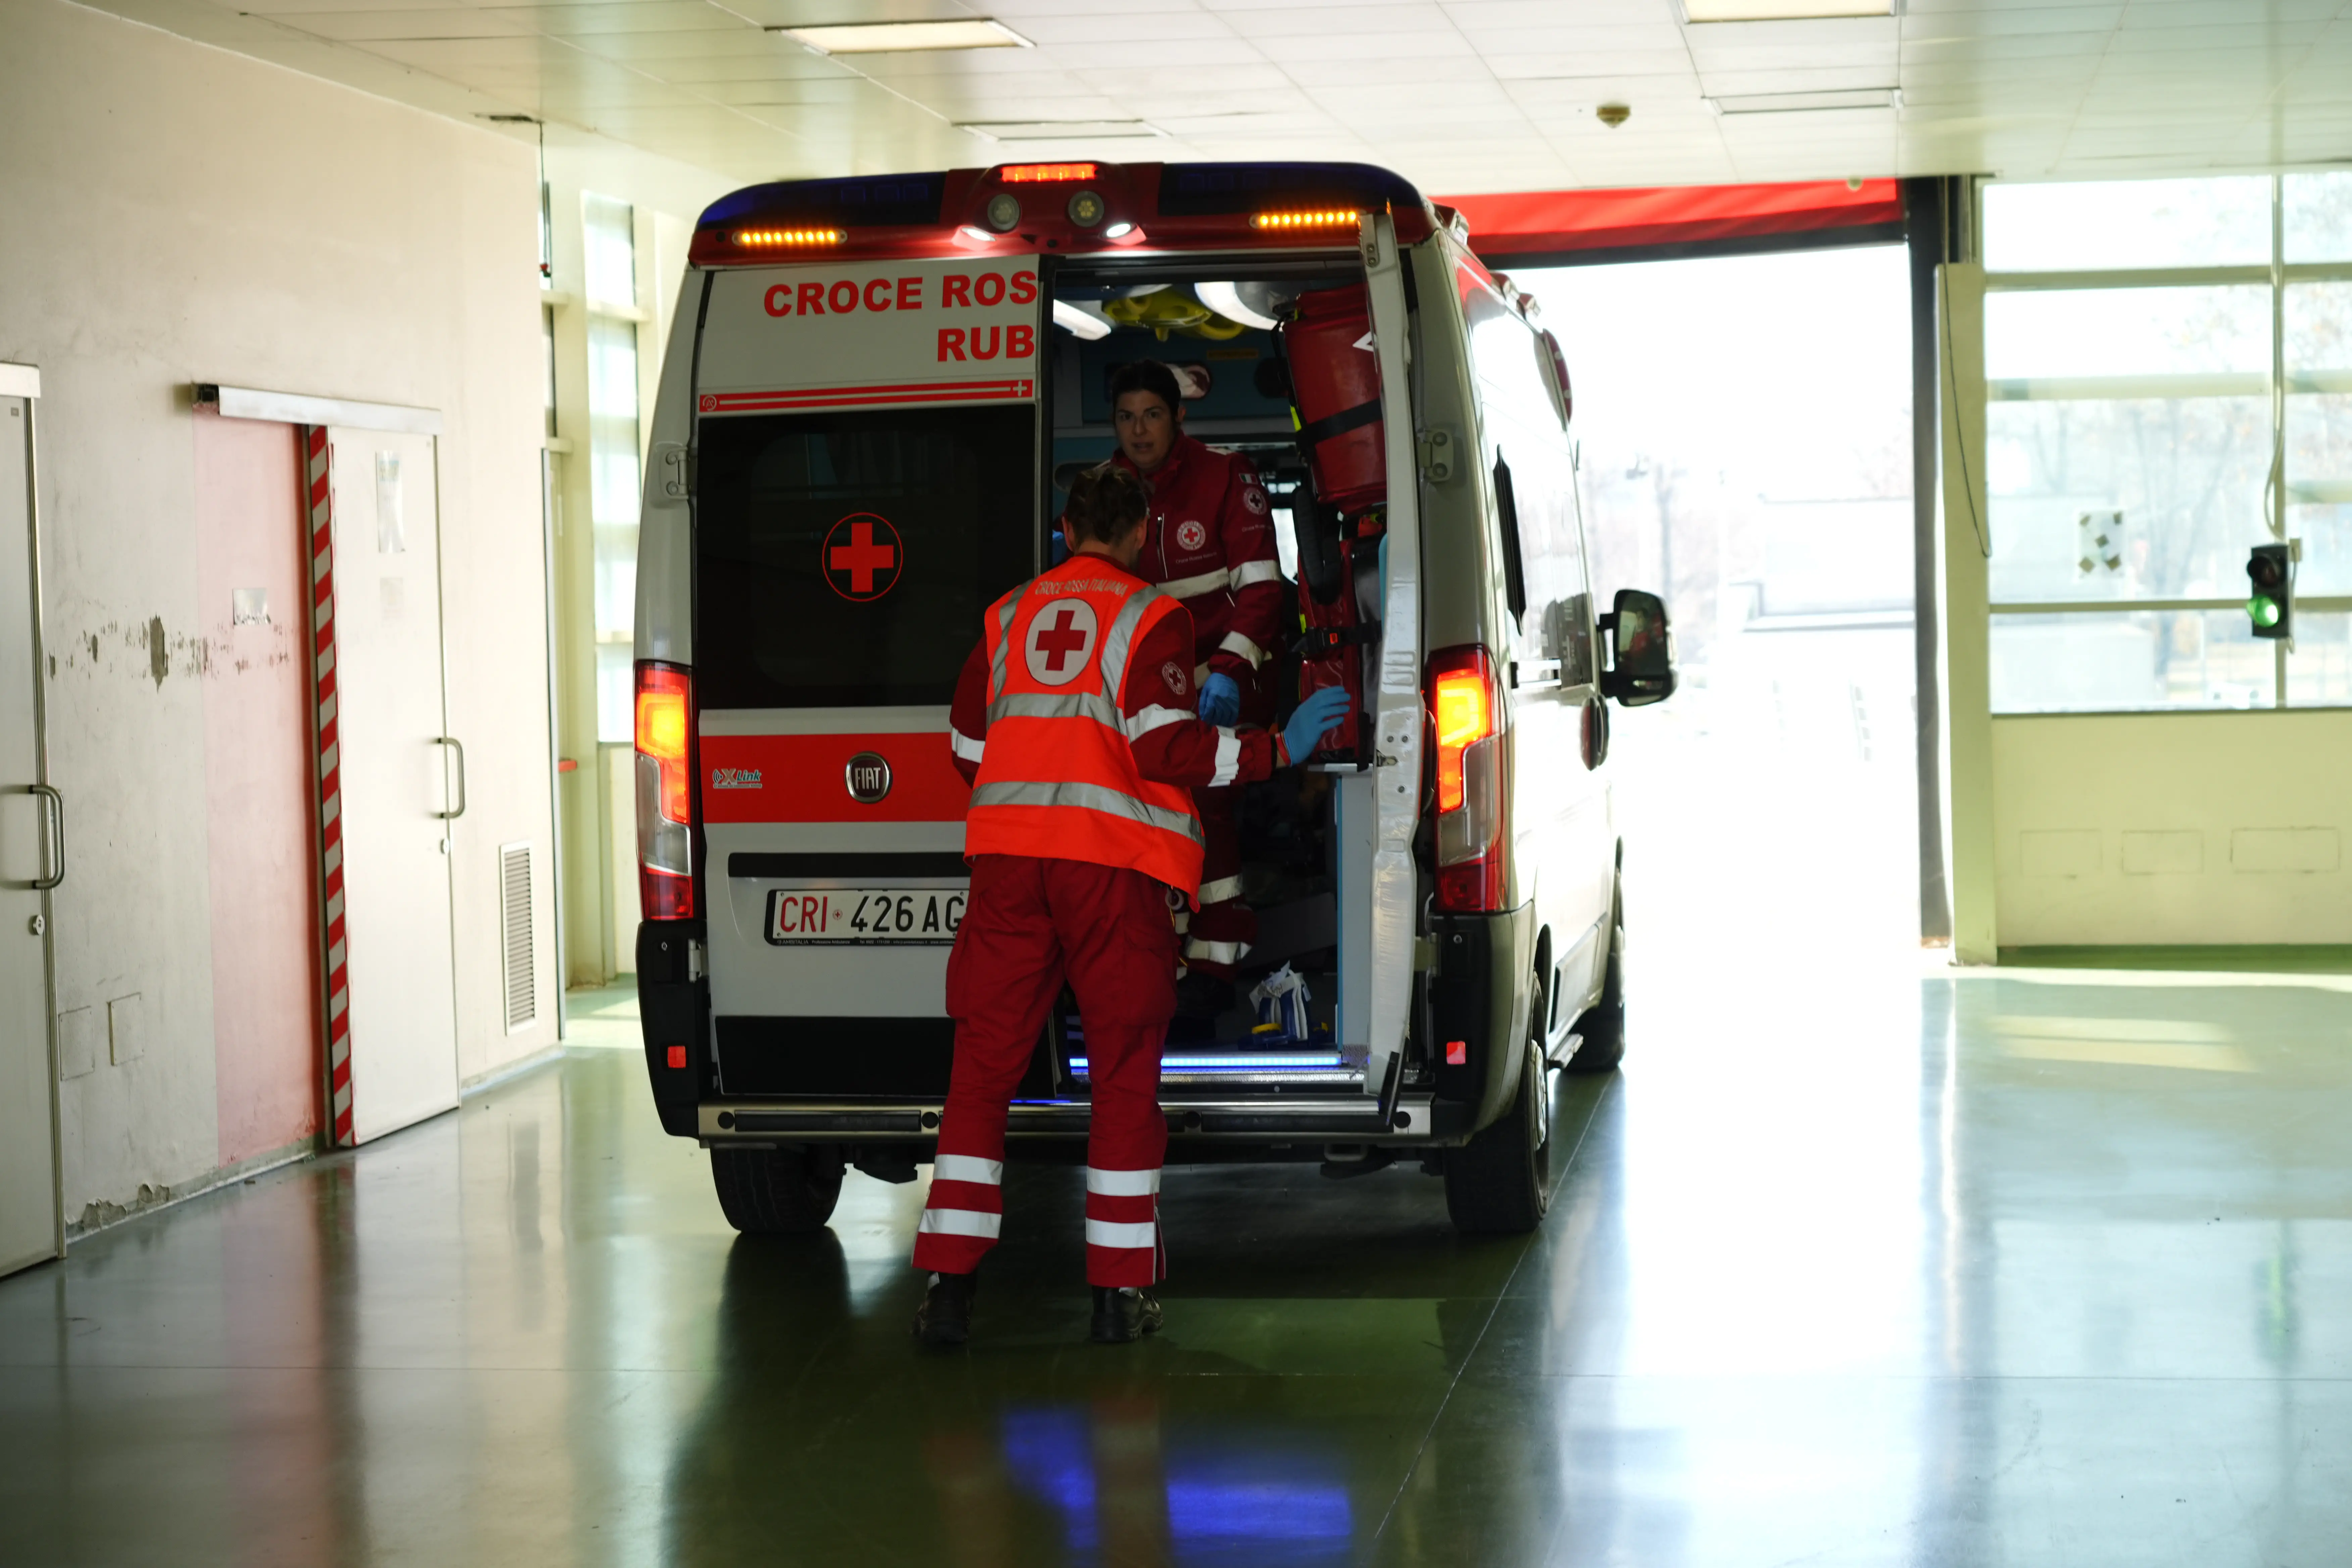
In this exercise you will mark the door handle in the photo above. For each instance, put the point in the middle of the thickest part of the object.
(54, 808)
(452, 742)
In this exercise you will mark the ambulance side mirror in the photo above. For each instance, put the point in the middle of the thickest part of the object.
(1641, 650)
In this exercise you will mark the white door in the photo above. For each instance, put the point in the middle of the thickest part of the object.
(31, 854)
(400, 777)
(1397, 713)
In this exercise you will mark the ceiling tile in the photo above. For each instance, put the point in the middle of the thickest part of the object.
(1143, 30)
(1441, 72)
(634, 17)
(1993, 24)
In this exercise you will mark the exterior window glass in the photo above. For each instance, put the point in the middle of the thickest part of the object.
(846, 558)
(612, 251)
(2141, 440)
(2318, 217)
(2137, 660)
(2128, 332)
(612, 458)
(2128, 224)
(2125, 498)
(2319, 670)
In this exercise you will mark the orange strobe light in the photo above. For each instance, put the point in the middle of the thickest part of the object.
(770, 238)
(1046, 173)
(1319, 217)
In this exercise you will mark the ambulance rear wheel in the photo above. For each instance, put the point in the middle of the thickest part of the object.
(777, 1191)
(1499, 1182)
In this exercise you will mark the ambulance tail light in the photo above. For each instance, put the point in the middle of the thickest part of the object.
(665, 791)
(1466, 716)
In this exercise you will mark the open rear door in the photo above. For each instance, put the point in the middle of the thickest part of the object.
(1396, 706)
(866, 454)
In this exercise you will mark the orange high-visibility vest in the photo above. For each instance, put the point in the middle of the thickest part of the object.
(1058, 780)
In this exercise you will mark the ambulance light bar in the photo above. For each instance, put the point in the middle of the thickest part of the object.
(764, 238)
(1154, 206)
(1330, 217)
(1046, 173)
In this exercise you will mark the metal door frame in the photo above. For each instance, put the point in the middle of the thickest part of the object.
(24, 380)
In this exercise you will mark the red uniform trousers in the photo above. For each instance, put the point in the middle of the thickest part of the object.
(1217, 936)
(1032, 923)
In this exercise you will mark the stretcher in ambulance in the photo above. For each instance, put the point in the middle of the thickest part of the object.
(872, 390)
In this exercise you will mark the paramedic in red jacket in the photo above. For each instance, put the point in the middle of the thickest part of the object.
(1076, 720)
(1210, 542)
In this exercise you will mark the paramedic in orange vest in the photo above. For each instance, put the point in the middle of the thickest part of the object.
(1076, 719)
(1209, 543)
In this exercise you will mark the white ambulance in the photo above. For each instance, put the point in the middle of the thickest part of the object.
(872, 386)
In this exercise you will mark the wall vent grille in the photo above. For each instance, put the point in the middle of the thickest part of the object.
(515, 931)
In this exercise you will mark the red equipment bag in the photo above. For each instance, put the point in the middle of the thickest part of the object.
(1343, 633)
(1334, 382)
(1335, 386)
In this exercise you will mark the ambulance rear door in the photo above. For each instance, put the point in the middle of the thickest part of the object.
(1397, 716)
(866, 479)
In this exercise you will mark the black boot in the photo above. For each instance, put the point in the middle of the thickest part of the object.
(1124, 1315)
(945, 1316)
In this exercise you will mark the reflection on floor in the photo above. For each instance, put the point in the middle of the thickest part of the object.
(1871, 1269)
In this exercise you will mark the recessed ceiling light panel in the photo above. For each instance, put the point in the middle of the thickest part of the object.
(1798, 103)
(1781, 10)
(902, 37)
(1056, 129)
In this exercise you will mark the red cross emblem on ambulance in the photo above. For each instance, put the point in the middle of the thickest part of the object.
(862, 557)
(1060, 639)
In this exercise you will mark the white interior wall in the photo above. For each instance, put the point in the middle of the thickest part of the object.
(2168, 828)
(183, 214)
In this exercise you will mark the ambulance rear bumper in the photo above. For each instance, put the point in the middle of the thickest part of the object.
(1350, 1118)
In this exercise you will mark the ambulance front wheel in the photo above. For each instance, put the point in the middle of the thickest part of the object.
(777, 1191)
(1602, 1028)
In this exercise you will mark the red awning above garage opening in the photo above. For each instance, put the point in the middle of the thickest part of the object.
(1554, 228)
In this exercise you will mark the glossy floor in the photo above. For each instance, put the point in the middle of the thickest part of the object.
(1991, 1270)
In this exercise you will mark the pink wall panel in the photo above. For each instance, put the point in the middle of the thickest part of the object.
(257, 785)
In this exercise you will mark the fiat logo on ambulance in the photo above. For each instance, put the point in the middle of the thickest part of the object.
(868, 778)
(862, 557)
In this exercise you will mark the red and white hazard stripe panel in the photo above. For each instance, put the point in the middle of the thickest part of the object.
(331, 787)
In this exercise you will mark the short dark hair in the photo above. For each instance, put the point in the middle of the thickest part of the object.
(1147, 376)
(1106, 500)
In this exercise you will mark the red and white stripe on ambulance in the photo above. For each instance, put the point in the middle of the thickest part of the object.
(817, 337)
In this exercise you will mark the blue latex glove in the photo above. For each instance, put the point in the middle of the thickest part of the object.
(1314, 716)
(1220, 699)
(1058, 548)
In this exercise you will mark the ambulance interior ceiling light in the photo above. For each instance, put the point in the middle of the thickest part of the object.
(894, 38)
(1319, 217)
(1225, 299)
(764, 238)
(1086, 323)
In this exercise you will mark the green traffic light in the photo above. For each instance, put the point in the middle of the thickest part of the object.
(2264, 611)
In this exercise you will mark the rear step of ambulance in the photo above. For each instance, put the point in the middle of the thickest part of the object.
(1215, 1070)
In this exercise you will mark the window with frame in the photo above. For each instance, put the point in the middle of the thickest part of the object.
(2168, 381)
